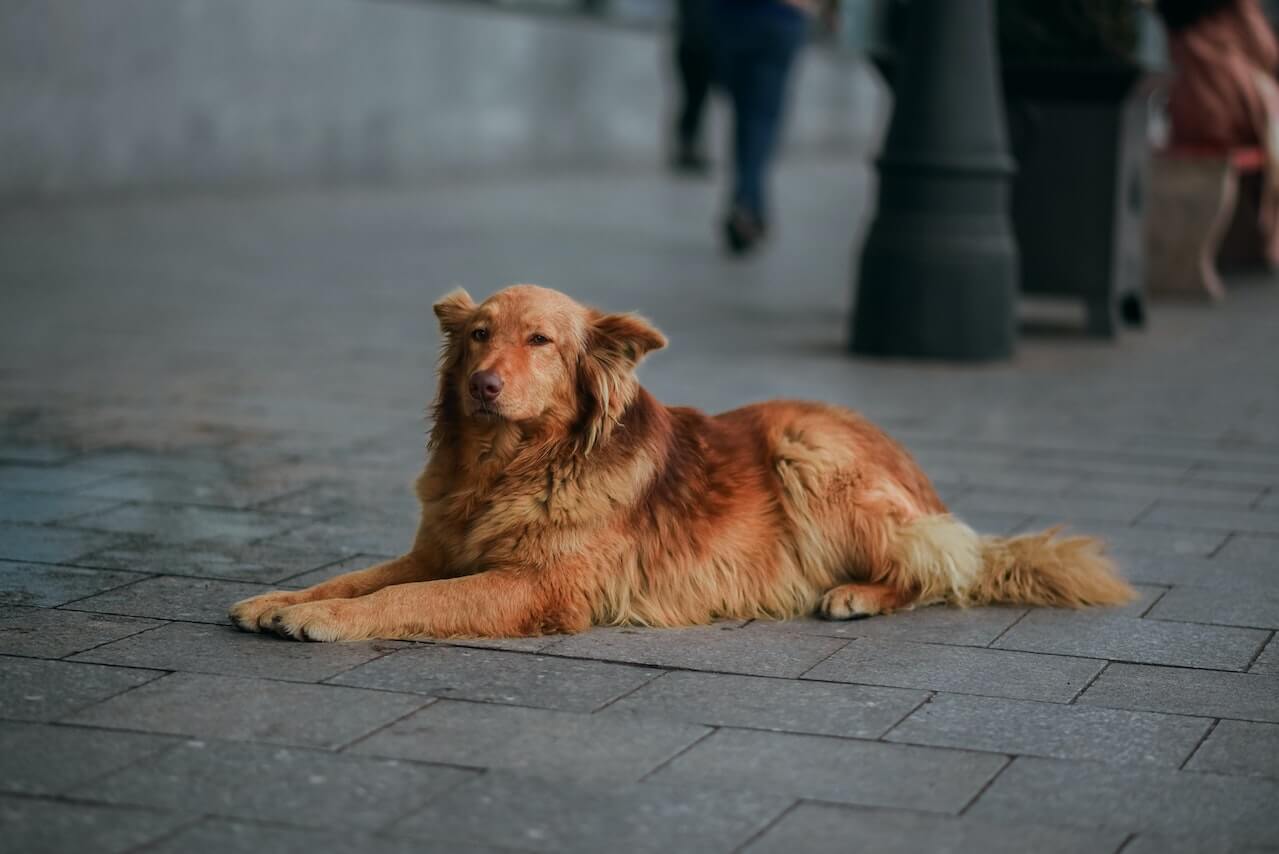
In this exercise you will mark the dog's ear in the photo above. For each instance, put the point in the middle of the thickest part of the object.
(623, 337)
(453, 310)
(615, 343)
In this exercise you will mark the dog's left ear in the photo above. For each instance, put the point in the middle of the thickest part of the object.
(453, 310)
(615, 343)
(624, 337)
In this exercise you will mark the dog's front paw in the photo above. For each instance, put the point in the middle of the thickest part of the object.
(312, 621)
(256, 614)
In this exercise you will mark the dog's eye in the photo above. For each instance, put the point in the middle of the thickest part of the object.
(537, 339)
(480, 335)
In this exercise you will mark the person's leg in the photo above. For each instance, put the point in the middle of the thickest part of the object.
(693, 61)
(763, 106)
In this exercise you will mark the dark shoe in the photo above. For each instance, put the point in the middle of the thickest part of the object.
(687, 160)
(742, 231)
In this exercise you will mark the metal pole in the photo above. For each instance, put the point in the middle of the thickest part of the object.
(939, 269)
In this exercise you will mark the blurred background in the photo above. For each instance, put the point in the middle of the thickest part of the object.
(226, 216)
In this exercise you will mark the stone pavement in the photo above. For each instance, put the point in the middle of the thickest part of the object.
(207, 397)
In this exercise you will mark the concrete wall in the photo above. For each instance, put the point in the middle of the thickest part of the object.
(107, 95)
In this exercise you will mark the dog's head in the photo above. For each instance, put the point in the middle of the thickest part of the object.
(535, 356)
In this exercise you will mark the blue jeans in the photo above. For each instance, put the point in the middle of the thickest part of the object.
(756, 44)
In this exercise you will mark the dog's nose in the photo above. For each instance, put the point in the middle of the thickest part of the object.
(485, 386)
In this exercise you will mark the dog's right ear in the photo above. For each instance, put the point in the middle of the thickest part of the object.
(453, 310)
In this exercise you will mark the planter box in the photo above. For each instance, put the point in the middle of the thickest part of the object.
(1079, 137)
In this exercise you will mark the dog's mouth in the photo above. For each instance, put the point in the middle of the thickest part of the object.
(486, 411)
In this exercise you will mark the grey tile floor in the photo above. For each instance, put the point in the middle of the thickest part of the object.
(201, 398)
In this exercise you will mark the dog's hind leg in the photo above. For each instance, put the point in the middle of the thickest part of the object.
(855, 601)
(927, 560)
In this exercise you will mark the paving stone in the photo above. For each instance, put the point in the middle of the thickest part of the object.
(39, 508)
(1240, 496)
(496, 676)
(34, 478)
(504, 809)
(1005, 477)
(852, 711)
(1091, 464)
(1125, 638)
(350, 535)
(46, 633)
(1135, 798)
(35, 690)
(228, 651)
(186, 523)
(1238, 472)
(46, 585)
(1121, 538)
(992, 672)
(1226, 448)
(1252, 549)
(166, 488)
(963, 626)
(198, 600)
(218, 836)
(1052, 730)
(40, 759)
(194, 462)
(1239, 748)
(40, 453)
(537, 741)
(341, 567)
(261, 710)
(826, 827)
(49, 545)
(870, 773)
(527, 644)
(1147, 596)
(1212, 518)
(1176, 690)
(35, 826)
(1251, 605)
(261, 563)
(390, 497)
(994, 521)
(721, 647)
(1268, 661)
(300, 787)
(1153, 843)
(1067, 509)
(1181, 569)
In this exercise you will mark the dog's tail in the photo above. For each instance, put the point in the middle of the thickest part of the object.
(943, 558)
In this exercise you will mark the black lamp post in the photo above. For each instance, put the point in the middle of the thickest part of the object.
(939, 269)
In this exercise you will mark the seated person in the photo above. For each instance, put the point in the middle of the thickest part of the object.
(1224, 92)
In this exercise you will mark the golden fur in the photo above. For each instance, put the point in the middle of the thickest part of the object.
(576, 499)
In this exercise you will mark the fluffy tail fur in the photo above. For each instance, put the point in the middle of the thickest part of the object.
(1048, 569)
(942, 558)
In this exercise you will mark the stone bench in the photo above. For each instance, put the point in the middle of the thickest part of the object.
(1193, 196)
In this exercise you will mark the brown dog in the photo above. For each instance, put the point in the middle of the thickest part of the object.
(559, 494)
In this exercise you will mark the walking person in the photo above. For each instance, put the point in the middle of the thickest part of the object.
(756, 45)
(695, 66)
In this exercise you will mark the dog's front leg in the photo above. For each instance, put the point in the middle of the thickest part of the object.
(496, 603)
(257, 613)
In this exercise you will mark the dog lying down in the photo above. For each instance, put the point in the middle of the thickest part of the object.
(559, 494)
